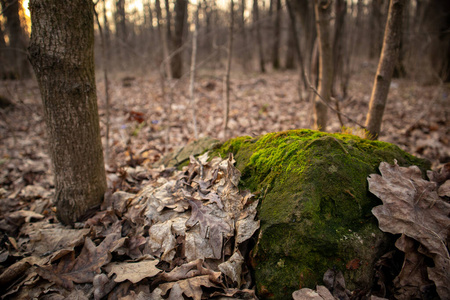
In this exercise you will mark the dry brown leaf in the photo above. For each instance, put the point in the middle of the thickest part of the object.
(134, 271)
(85, 266)
(161, 240)
(191, 287)
(306, 294)
(411, 206)
(47, 238)
(213, 227)
(233, 268)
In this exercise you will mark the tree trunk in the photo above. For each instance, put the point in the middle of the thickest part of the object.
(289, 62)
(323, 16)
(226, 79)
(276, 43)
(62, 55)
(388, 58)
(258, 36)
(18, 39)
(246, 55)
(338, 42)
(163, 39)
(180, 21)
(121, 31)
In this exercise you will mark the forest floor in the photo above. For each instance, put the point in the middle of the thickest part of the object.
(417, 119)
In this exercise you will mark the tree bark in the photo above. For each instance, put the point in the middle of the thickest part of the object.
(226, 79)
(322, 10)
(163, 39)
(289, 62)
(388, 58)
(259, 41)
(121, 29)
(276, 43)
(180, 21)
(338, 42)
(18, 40)
(62, 55)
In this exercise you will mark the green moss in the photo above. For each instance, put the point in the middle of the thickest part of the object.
(314, 204)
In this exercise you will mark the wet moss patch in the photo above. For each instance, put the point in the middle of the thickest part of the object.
(315, 206)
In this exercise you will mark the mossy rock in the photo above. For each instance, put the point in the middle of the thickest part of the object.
(315, 207)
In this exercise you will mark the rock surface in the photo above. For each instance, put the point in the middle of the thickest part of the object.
(315, 208)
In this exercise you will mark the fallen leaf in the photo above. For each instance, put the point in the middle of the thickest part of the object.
(411, 206)
(233, 268)
(134, 271)
(85, 266)
(212, 227)
(191, 287)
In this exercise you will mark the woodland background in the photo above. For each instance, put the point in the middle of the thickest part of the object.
(148, 105)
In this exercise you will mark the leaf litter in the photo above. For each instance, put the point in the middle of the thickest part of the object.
(182, 235)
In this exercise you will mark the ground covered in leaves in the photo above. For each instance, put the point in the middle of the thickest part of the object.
(416, 119)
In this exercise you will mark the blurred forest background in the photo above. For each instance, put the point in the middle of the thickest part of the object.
(154, 95)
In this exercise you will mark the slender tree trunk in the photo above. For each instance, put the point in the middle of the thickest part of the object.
(18, 40)
(289, 62)
(226, 80)
(121, 30)
(246, 55)
(163, 38)
(259, 41)
(388, 58)
(67, 83)
(192, 75)
(323, 15)
(276, 43)
(297, 47)
(338, 43)
(180, 21)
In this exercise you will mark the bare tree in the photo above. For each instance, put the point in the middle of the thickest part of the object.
(388, 58)
(323, 13)
(180, 22)
(192, 72)
(18, 40)
(62, 55)
(162, 32)
(226, 80)
(259, 40)
(121, 29)
(276, 43)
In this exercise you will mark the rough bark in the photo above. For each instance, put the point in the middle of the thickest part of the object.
(18, 40)
(62, 55)
(259, 41)
(276, 43)
(323, 14)
(180, 21)
(388, 58)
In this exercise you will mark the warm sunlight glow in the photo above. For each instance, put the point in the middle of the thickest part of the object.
(25, 8)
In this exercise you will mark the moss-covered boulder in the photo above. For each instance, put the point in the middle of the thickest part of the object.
(315, 208)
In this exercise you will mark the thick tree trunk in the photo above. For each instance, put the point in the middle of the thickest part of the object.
(323, 16)
(18, 40)
(388, 59)
(259, 41)
(62, 55)
(180, 21)
(276, 43)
